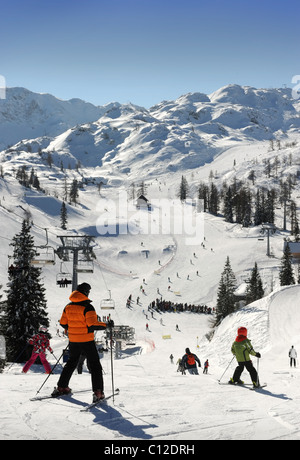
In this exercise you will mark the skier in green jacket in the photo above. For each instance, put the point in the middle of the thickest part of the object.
(242, 349)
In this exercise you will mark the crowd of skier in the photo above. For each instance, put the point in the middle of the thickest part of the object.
(168, 306)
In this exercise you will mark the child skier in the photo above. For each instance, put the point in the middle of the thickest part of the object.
(40, 344)
(242, 349)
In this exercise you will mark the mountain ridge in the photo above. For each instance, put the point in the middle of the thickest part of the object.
(128, 139)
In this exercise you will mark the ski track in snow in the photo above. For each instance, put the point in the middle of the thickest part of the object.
(156, 402)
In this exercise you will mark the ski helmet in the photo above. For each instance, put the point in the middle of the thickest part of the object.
(242, 331)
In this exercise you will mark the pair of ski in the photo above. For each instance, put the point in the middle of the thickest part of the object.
(85, 409)
(249, 386)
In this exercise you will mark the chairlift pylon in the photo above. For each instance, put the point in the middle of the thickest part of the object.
(107, 304)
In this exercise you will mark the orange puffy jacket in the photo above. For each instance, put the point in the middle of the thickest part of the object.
(79, 318)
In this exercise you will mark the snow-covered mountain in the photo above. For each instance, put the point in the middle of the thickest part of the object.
(27, 115)
(131, 140)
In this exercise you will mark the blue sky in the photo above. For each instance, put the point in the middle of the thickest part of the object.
(146, 51)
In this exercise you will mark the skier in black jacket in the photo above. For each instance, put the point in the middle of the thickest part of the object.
(189, 361)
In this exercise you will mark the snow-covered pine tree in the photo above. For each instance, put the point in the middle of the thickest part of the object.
(25, 309)
(295, 231)
(228, 212)
(213, 200)
(63, 216)
(183, 189)
(286, 275)
(255, 289)
(226, 299)
(74, 194)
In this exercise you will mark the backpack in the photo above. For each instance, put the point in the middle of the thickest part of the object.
(191, 360)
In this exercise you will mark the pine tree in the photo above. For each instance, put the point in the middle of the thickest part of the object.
(286, 275)
(213, 200)
(63, 216)
(226, 299)
(203, 195)
(73, 195)
(255, 289)
(25, 309)
(183, 189)
(259, 208)
(228, 212)
(294, 221)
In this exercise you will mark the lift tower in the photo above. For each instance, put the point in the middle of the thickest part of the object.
(80, 247)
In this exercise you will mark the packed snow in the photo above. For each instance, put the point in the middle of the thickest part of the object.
(151, 250)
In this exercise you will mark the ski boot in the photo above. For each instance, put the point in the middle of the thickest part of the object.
(239, 382)
(59, 391)
(98, 396)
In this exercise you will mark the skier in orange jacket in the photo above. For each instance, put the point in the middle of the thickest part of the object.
(80, 320)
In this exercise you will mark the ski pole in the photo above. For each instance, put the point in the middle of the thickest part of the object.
(111, 365)
(257, 382)
(51, 371)
(226, 370)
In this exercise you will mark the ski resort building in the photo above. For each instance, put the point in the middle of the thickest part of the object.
(143, 203)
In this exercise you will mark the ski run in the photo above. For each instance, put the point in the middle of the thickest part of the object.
(156, 403)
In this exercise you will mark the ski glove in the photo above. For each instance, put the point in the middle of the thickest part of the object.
(258, 355)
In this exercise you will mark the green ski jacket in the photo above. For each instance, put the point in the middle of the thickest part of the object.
(242, 349)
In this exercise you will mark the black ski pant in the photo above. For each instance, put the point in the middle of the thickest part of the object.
(90, 351)
(250, 368)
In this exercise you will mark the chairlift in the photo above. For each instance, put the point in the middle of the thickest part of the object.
(85, 266)
(63, 279)
(44, 256)
(107, 304)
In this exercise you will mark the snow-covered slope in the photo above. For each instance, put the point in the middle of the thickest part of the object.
(123, 146)
(156, 402)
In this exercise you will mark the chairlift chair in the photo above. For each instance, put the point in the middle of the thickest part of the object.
(63, 279)
(107, 304)
(44, 256)
(85, 266)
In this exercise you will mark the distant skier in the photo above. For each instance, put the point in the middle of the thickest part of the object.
(206, 366)
(40, 344)
(242, 349)
(189, 362)
(292, 356)
(180, 367)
